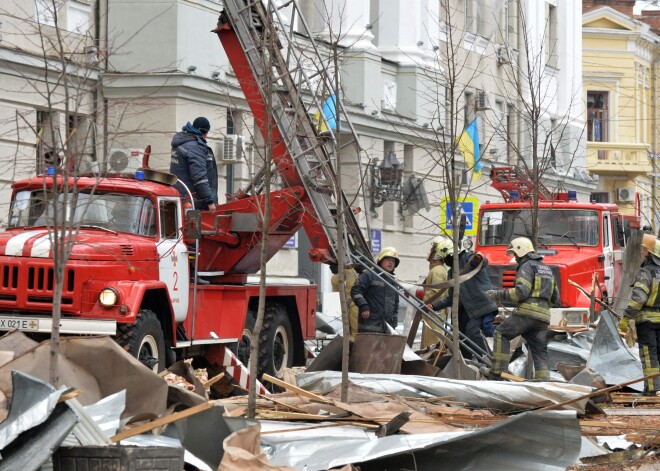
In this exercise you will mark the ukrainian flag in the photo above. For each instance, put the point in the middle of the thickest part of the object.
(327, 120)
(468, 144)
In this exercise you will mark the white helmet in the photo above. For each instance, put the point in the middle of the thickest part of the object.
(441, 247)
(390, 252)
(521, 246)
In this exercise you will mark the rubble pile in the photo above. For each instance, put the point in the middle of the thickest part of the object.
(111, 407)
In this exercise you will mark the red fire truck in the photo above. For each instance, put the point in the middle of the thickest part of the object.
(129, 274)
(576, 239)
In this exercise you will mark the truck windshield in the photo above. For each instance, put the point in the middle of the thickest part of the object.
(120, 213)
(577, 227)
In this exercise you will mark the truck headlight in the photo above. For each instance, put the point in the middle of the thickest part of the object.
(109, 297)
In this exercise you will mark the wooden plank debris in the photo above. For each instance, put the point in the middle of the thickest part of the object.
(394, 425)
(162, 421)
(599, 391)
(295, 389)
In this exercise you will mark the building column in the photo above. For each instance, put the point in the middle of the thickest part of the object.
(407, 32)
(347, 19)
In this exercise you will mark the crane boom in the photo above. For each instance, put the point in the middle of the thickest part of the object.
(267, 64)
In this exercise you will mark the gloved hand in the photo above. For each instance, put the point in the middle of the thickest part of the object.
(491, 294)
(631, 335)
(487, 325)
(623, 324)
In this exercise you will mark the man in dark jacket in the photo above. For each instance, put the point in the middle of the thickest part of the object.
(377, 301)
(644, 310)
(535, 292)
(194, 164)
(475, 311)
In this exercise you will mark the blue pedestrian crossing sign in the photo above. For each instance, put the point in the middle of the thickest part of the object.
(468, 205)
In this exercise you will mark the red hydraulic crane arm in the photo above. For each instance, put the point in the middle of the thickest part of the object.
(321, 251)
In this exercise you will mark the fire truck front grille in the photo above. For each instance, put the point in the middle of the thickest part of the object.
(9, 277)
(508, 279)
(41, 280)
(504, 277)
(47, 300)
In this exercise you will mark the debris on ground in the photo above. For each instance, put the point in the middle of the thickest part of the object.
(389, 420)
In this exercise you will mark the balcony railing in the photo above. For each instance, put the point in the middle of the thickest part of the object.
(615, 158)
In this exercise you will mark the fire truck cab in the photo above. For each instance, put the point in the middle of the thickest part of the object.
(577, 240)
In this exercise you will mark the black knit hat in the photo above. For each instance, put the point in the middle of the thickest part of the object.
(202, 124)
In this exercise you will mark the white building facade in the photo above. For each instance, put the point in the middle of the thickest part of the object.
(157, 66)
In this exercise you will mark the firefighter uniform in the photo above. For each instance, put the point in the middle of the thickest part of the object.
(350, 276)
(535, 291)
(438, 273)
(644, 309)
(377, 299)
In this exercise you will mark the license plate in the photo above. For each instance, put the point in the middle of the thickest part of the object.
(8, 323)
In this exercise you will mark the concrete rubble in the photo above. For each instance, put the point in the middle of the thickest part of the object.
(112, 406)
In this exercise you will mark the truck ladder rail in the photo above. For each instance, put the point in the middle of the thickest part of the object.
(419, 305)
(257, 36)
(508, 179)
(274, 89)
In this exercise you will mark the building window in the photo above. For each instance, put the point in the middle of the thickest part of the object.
(49, 152)
(78, 17)
(469, 109)
(475, 17)
(597, 116)
(551, 35)
(45, 12)
(510, 22)
(600, 197)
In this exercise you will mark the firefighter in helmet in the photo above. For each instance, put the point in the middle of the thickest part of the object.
(377, 302)
(475, 311)
(438, 273)
(644, 311)
(350, 276)
(534, 292)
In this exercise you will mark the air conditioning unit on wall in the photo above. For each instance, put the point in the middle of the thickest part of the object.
(230, 149)
(482, 103)
(625, 195)
(124, 160)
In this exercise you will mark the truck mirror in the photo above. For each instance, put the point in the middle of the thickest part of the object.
(193, 225)
(462, 225)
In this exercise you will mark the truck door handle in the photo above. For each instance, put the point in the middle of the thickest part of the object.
(601, 258)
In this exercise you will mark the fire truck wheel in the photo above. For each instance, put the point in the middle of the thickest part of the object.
(144, 340)
(243, 347)
(276, 346)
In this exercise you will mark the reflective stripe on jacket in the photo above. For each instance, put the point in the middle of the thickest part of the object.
(644, 303)
(378, 297)
(535, 290)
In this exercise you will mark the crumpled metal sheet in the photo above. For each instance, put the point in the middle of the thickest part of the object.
(497, 395)
(32, 402)
(98, 422)
(545, 441)
(565, 351)
(35, 426)
(611, 358)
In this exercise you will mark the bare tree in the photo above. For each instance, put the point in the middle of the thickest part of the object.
(64, 131)
(543, 135)
(68, 132)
